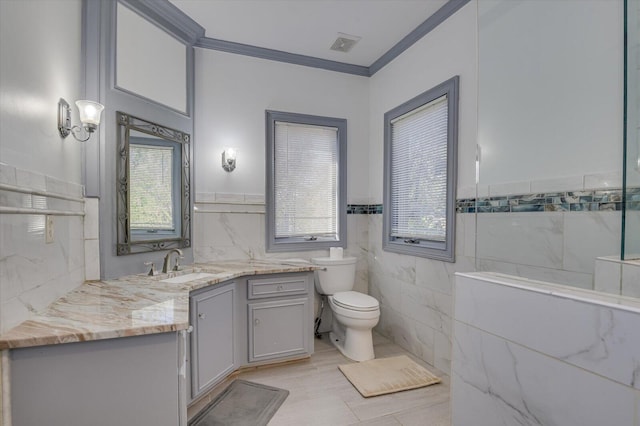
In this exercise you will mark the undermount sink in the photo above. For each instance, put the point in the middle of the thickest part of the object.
(188, 277)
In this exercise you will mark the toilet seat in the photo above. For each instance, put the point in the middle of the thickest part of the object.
(354, 301)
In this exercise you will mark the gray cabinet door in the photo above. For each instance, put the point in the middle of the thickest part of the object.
(212, 339)
(111, 382)
(278, 329)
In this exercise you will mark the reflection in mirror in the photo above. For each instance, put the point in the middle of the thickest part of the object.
(153, 187)
(153, 163)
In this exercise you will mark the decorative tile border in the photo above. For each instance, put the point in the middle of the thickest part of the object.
(364, 209)
(572, 201)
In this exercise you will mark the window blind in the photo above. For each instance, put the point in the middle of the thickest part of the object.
(151, 187)
(306, 181)
(419, 173)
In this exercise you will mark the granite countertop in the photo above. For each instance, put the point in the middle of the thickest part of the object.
(130, 306)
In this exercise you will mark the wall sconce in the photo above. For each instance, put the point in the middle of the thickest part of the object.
(90, 113)
(229, 159)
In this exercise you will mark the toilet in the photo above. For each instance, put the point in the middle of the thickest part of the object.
(354, 313)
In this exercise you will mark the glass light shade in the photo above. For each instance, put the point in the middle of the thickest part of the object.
(229, 159)
(89, 112)
(230, 154)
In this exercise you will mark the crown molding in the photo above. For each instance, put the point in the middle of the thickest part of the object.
(281, 56)
(441, 15)
(188, 30)
(169, 17)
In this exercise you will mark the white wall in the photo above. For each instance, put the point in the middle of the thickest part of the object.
(40, 61)
(415, 293)
(446, 51)
(550, 89)
(232, 94)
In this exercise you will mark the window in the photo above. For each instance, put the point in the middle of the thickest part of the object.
(154, 191)
(306, 181)
(420, 158)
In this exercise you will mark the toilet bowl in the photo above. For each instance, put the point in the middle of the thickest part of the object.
(351, 327)
(354, 314)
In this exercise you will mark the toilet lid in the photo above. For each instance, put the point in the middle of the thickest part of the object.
(355, 301)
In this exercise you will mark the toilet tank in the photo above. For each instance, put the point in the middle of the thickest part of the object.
(336, 275)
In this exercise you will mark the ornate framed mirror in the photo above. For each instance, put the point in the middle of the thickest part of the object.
(153, 187)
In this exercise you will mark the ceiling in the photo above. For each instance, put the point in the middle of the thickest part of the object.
(309, 27)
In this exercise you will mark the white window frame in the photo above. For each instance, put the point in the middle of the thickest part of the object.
(274, 244)
(440, 250)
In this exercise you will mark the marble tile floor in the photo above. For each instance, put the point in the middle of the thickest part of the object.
(320, 395)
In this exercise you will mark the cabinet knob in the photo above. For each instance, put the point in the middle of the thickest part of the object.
(202, 315)
(190, 329)
(256, 321)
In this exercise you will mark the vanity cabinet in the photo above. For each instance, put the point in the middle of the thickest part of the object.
(279, 317)
(151, 379)
(122, 381)
(252, 320)
(212, 315)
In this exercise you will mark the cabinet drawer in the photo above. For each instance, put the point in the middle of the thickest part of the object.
(276, 287)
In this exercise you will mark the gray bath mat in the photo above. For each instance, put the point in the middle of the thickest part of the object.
(242, 403)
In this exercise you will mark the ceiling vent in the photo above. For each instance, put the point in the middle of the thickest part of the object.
(344, 42)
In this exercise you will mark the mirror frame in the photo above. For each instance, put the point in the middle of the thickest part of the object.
(125, 244)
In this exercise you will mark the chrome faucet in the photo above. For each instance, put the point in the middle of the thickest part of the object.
(167, 261)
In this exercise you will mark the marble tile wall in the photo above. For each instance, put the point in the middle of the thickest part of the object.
(553, 246)
(569, 359)
(552, 229)
(618, 277)
(552, 234)
(589, 182)
(91, 238)
(32, 272)
(235, 229)
(415, 294)
(228, 235)
(632, 234)
(558, 247)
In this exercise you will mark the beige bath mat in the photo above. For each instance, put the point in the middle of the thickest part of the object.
(387, 375)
